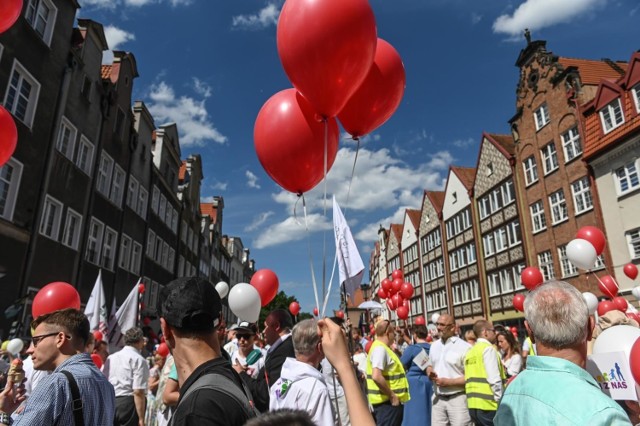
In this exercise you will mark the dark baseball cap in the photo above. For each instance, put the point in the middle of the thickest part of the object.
(190, 303)
(247, 327)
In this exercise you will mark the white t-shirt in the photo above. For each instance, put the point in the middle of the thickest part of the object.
(127, 371)
(379, 358)
(447, 360)
(255, 367)
(513, 365)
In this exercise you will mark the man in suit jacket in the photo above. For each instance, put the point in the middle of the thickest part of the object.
(277, 331)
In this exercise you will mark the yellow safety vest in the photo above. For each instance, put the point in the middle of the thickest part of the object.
(395, 376)
(477, 388)
(532, 351)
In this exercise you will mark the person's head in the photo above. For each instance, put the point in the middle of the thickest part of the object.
(222, 332)
(358, 348)
(159, 360)
(306, 342)
(57, 336)
(446, 326)
(246, 333)
(484, 329)
(102, 349)
(507, 343)
(277, 323)
(420, 331)
(283, 416)
(355, 334)
(385, 332)
(134, 337)
(470, 337)
(231, 333)
(557, 316)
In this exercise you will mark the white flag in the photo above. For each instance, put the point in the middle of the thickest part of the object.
(126, 317)
(96, 309)
(351, 266)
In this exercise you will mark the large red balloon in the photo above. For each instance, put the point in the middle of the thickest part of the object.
(96, 360)
(53, 297)
(634, 361)
(163, 349)
(620, 303)
(9, 12)
(420, 320)
(98, 336)
(631, 270)
(403, 312)
(397, 300)
(327, 48)
(391, 304)
(594, 235)
(406, 290)
(378, 96)
(397, 274)
(290, 141)
(266, 282)
(608, 286)
(386, 285)
(531, 277)
(518, 302)
(605, 306)
(294, 308)
(8, 130)
(396, 285)
(382, 294)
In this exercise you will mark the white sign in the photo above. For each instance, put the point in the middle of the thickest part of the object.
(611, 371)
(421, 360)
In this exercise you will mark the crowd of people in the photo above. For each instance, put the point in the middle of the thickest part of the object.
(316, 372)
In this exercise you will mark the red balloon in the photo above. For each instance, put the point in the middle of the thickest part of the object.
(386, 285)
(531, 277)
(294, 308)
(368, 346)
(146, 320)
(163, 349)
(98, 336)
(518, 302)
(620, 303)
(391, 304)
(397, 274)
(594, 235)
(266, 282)
(53, 297)
(9, 13)
(403, 312)
(315, 312)
(514, 329)
(420, 321)
(141, 288)
(631, 270)
(405, 303)
(382, 294)
(8, 130)
(406, 290)
(97, 360)
(634, 361)
(326, 48)
(379, 96)
(396, 285)
(608, 286)
(397, 300)
(605, 306)
(340, 314)
(429, 339)
(290, 141)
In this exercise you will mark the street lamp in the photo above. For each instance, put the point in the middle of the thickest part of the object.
(365, 288)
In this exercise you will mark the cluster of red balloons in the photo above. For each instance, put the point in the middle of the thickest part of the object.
(397, 292)
(361, 82)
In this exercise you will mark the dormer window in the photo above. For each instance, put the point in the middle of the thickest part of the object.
(489, 169)
(455, 196)
(541, 116)
(636, 96)
(611, 115)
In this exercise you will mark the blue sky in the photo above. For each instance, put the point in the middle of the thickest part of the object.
(209, 65)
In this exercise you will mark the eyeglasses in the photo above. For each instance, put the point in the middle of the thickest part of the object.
(244, 336)
(441, 324)
(37, 339)
(491, 329)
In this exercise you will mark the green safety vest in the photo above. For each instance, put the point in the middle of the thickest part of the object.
(394, 375)
(477, 388)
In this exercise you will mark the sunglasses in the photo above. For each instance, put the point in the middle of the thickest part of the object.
(245, 336)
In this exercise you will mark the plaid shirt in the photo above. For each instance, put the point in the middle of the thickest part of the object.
(51, 402)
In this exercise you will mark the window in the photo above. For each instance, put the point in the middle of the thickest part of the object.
(169, 215)
(581, 195)
(545, 260)
(541, 116)
(84, 159)
(627, 178)
(174, 223)
(549, 158)
(513, 233)
(599, 262)
(633, 239)
(21, 98)
(143, 196)
(530, 170)
(568, 269)
(558, 207)
(571, 144)
(94, 241)
(132, 193)
(41, 15)
(136, 257)
(51, 218)
(117, 190)
(125, 252)
(494, 284)
(171, 259)
(155, 198)
(151, 243)
(66, 138)
(537, 217)
(636, 96)
(10, 175)
(162, 207)
(103, 184)
(181, 266)
(165, 253)
(71, 234)
(501, 239)
(611, 115)
(489, 244)
(157, 256)
(109, 248)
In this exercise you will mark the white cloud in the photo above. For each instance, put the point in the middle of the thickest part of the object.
(252, 180)
(370, 232)
(191, 116)
(201, 88)
(348, 139)
(208, 199)
(220, 186)
(291, 229)
(464, 143)
(475, 18)
(113, 4)
(538, 14)
(258, 221)
(115, 37)
(265, 17)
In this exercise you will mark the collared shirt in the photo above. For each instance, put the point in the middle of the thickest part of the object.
(554, 391)
(51, 402)
(278, 343)
(447, 360)
(490, 359)
(127, 371)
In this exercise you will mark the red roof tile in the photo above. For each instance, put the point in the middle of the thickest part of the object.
(504, 142)
(437, 199)
(414, 216)
(183, 171)
(397, 231)
(591, 72)
(105, 72)
(466, 175)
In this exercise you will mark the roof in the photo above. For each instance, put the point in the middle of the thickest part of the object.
(504, 143)
(592, 71)
(210, 209)
(467, 175)
(105, 72)
(183, 171)
(437, 199)
(397, 231)
(414, 216)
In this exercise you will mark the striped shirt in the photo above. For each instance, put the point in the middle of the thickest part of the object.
(51, 402)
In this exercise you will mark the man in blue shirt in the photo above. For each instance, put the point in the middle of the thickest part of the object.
(555, 388)
(58, 345)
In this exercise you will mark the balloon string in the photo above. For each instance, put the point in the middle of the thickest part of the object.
(295, 209)
(306, 227)
(353, 173)
(324, 209)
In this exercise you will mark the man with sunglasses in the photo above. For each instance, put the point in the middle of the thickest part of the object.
(246, 334)
(57, 345)
(446, 369)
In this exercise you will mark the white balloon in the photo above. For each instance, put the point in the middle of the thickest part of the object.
(15, 346)
(244, 301)
(434, 318)
(582, 253)
(619, 338)
(592, 302)
(636, 292)
(223, 289)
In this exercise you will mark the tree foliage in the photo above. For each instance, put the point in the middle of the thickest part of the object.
(281, 301)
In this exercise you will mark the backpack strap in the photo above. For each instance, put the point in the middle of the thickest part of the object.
(76, 399)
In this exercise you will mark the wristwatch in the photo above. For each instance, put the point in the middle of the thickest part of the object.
(5, 419)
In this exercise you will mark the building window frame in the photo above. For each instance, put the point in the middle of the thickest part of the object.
(530, 168)
(571, 144)
(568, 268)
(109, 245)
(94, 241)
(85, 161)
(105, 171)
(635, 90)
(612, 116)
(582, 198)
(541, 116)
(51, 217)
(558, 206)
(545, 262)
(41, 16)
(10, 178)
(66, 138)
(72, 229)
(22, 106)
(549, 156)
(633, 241)
(124, 261)
(117, 187)
(538, 219)
(627, 178)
